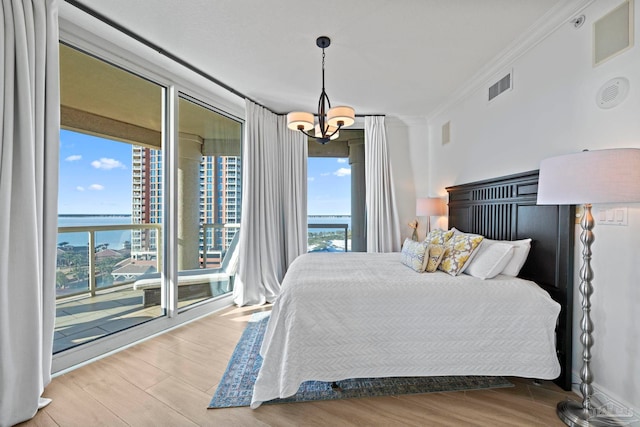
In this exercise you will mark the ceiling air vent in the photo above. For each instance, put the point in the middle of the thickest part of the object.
(500, 86)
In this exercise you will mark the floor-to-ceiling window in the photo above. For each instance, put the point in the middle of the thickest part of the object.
(149, 202)
(109, 198)
(335, 193)
(329, 204)
(209, 195)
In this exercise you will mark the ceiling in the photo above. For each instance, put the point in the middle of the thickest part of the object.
(394, 57)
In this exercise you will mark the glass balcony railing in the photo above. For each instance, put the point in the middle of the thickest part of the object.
(216, 238)
(79, 273)
(328, 237)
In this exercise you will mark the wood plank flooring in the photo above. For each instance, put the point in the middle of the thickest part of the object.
(169, 381)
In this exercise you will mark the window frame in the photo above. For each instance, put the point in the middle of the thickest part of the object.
(94, 37)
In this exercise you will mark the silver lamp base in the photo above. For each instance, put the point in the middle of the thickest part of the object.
(574, 415)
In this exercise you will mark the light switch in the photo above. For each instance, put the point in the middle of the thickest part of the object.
(615, 215)
(609, 215)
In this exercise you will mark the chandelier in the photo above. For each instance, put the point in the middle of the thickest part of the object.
(329, 122)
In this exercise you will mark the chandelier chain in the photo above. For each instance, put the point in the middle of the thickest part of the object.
(322, 68)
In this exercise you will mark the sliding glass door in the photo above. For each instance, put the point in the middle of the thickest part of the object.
(110, 199)
(209, 199)
(149, 201)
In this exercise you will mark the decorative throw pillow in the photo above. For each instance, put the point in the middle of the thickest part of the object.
(438, 236)
(413, 254)
(434, 257)
(490, 259)
(458, 251)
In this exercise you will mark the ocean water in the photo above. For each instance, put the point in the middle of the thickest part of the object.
(116, 239)
(323, 219)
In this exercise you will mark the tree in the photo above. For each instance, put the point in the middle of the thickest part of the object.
(61, 280)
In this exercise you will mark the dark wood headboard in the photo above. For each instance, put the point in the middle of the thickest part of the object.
(505, 209)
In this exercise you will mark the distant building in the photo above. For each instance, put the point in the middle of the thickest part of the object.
(220, 202)
(146, 200)
(131, 270)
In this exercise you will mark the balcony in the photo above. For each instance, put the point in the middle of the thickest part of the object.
(329, 237)
(96, 296)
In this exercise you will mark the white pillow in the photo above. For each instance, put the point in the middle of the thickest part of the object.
(520, 254)
(491, 258)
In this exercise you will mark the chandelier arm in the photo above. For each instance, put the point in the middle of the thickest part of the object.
(306, 133)
(322, 112)
(334, 132)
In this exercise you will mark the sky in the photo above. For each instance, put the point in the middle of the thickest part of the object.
(95, 178)
(95, 175)
(329, 186)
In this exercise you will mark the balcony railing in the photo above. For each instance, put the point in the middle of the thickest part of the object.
(79, 273)
(212, 252)
(325, 240)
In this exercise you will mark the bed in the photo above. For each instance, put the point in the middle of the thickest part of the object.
(359, 315)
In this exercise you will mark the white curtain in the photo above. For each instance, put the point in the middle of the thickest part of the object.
(383, 229)
(273, 230)
(29, 132)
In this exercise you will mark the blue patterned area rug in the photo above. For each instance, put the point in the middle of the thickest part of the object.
(236, 385)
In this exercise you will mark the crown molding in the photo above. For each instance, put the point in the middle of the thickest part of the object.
(546, 25)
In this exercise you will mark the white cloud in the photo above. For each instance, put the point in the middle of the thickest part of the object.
(96, 187)
(79, 188)
(107, 164)
(342, 172)
(73, 158)
(325, 174)
(310, 178)
(342, 160)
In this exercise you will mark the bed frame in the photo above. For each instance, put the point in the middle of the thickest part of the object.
(505, 209)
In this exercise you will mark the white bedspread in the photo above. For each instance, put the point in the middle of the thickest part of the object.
(359, 315)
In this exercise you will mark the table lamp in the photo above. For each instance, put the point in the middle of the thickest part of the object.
(429, 206)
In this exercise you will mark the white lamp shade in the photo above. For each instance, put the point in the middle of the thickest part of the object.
(430, 206)
(330, 130)
(588, 177)
(298, 118)
(344, 114)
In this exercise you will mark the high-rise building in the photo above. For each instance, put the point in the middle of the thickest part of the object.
(219, 203)
(146, 200)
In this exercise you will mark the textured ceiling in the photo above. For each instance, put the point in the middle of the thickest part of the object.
(396, 57)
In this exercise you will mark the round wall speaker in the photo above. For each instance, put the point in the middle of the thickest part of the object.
(613, 92)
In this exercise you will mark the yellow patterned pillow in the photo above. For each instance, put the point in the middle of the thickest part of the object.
(413, 255)
(458, 251)
(435, 254)
(438, 236)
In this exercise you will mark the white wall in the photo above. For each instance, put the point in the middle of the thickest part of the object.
(550, 111)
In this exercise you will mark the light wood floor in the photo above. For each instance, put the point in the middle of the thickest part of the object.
(169, 381)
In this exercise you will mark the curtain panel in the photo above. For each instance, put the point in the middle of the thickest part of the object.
(29, 132)
(383, 228)
(273, 229)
